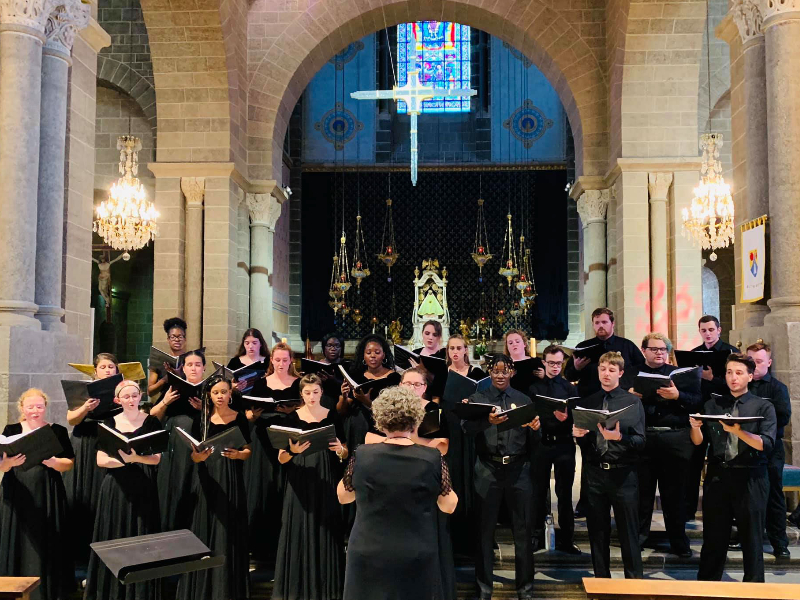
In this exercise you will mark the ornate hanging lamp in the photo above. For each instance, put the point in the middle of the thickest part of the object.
(342, 275)
(333, 291)
(509, 268)
(480, 250)
(360, 269)
(388, 255)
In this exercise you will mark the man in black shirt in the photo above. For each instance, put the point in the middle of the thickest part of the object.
(669, 447)
(708, 325)
(609, 465)
(584, 371)
(764, 385)
(556, 450)
(736, 483)
(503, 470)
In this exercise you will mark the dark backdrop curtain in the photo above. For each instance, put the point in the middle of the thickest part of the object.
(436, 219)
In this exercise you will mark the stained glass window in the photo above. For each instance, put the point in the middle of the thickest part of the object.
(440, 52)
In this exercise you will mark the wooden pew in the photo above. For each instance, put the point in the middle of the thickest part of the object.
(662, 589)
(17, 588)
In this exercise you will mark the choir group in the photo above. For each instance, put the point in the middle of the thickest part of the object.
(640, 423)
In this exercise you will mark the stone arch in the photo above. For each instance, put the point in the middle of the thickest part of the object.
(566, 45)
(119, 75)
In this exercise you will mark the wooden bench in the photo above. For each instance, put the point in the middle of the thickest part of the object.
(662, 589)
(17, 588)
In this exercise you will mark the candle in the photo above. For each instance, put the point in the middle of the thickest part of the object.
(533, 348)
(385, 331)
(490, 333)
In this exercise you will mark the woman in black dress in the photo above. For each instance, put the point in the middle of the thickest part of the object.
(516, 346)
(262, 473)
(432, 346)
(220, 512)
(333, 354)
(128, 501)
(310, 563)
(175, 328)
(397, 484)
(253, 351)
(175, 471)
(33, 508)
(83, 482)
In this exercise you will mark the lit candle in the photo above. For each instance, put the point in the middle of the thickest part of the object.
(385, 331)
(490, 333)
(533, 347)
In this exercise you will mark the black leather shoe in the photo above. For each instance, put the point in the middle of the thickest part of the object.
(568, 549)
(687, 553)
(734, 545)
(578, 514)
(781, 553)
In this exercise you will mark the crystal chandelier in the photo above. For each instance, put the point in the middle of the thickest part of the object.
(509, 268)
(126, 220)
(480, 250)
(709, 219)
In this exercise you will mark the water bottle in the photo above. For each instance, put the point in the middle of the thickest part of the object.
(550, 534)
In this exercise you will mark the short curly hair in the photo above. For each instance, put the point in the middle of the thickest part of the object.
(397, 409)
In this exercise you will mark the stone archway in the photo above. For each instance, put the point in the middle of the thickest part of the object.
(566, 45)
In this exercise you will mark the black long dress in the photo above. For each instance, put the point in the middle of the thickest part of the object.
(435, 387)
(127, 507)
(358, 421)
(34, 528)
(82, 484)
(310, 563)
(220, 521)
(396, 488)
(175, 470)
(461, 461)
(263, 476)
(236, 363)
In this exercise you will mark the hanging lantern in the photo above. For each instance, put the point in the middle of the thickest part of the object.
(360, 269)
(334, 292)
(357, 316)
(480, 250)
(709, 219)
(509, 268)
(389, 254)
(342, 282)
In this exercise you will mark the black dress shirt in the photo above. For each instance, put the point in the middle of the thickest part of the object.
(560, 388)
(749, 406)
(587, 378)
(660, 412)
(488, 442)
(631, 425)
(776, 392)
(718, 384)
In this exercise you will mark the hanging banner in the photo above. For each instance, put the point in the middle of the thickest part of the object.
(754, 259)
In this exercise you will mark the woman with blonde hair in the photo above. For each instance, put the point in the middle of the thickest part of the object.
(33, 507)
(395, 483)
(515, 342)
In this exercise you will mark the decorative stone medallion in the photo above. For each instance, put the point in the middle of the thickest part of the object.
(338, 126)
(527, 123)
(346, 55)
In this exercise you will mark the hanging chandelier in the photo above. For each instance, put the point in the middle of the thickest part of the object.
(389, 254)
(333, 291)
(126, 220)
(342, 267)
(360, 269)
(509, 268)
(709, 219)
(480, 250)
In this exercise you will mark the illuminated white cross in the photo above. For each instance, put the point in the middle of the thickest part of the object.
(413, 93)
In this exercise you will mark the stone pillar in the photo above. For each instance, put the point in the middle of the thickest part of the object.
(265, 210)
(658, 186)
(193, 189)
(60, 29)
(782, 40)
(747, 16)
(22, 24)
(592, 207)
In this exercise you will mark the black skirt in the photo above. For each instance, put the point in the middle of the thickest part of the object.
(175, 477)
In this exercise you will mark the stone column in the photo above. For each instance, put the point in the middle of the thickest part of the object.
(782, 40)
(264, 213)
(592, 207)
(747, 16)
(22, 25)
(193, 189)
(60, 29)
(658, 186)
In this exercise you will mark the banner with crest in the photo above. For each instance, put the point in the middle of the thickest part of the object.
(754, 259)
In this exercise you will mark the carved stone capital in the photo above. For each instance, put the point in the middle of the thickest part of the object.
(775, 8)
(658, 185)
(26, 13)
(264, 210)
(748, 18)
(64, 22)
(592, 206)
(194, 189)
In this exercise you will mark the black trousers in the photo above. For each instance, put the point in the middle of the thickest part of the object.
(617, 489)
(696, 463)
(560, 457)
(665, 461)
(776, 502)
(730, 493)
(493, 482)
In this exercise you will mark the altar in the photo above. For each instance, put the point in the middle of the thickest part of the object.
(430, 301)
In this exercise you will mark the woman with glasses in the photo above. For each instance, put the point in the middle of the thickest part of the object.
(175, 328)
(332, 354)
(128, 501)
